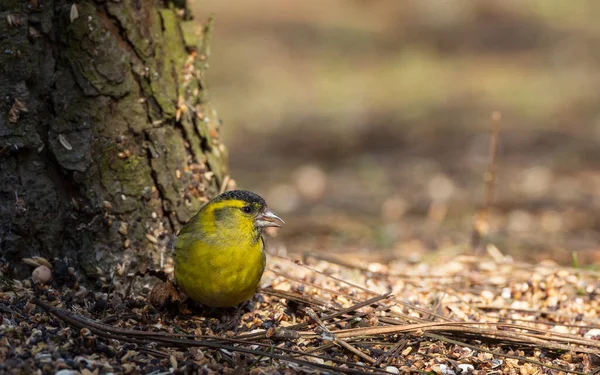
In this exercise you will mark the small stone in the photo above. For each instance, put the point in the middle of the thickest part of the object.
(552, 301)
(41, 275)
(593, 334)
(445, 370)
(392, 370)
(487, 295)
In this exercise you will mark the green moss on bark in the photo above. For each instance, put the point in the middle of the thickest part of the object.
(129, 175)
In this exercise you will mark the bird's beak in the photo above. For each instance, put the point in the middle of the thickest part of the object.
(268, 219)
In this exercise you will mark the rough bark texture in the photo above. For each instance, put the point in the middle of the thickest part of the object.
(108, 142)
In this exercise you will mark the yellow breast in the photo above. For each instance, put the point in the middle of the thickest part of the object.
(221, 274)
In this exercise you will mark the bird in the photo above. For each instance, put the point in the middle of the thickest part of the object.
(220, 252)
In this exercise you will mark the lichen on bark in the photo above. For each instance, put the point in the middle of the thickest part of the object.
(115, 130)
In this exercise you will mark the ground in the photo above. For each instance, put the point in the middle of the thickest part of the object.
(319, 313)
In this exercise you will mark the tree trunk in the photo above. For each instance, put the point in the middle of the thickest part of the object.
(108, 142)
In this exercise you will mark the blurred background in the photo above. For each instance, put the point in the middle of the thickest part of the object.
(366, 124)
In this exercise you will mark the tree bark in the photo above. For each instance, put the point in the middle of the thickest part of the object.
(108, 142)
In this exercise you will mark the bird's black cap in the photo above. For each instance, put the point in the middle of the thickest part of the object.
(243, 195)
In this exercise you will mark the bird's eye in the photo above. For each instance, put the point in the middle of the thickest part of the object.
(247, 209)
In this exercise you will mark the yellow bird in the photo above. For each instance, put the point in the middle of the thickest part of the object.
(219, 253)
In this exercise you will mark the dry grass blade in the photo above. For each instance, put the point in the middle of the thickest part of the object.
(543, 334)
(539, 341)
(313, 285)
(301, 264)
(385, 330)
(538, 312)
(404, 276)
(480, 219)
(392, 351)
(299, 326)
(331, 336)
(366, 290)
(490, 175)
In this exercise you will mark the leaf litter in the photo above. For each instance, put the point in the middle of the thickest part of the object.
(322, 314)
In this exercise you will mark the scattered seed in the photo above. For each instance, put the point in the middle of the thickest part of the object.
(75, 204)
(14, 20)
(20, 106)
(15, 111)
(37, 261)
(34, 32)
(74, 13)
(63, 141)
(123, 228)
(151, 238)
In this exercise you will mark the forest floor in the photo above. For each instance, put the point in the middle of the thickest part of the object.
(319, 313)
